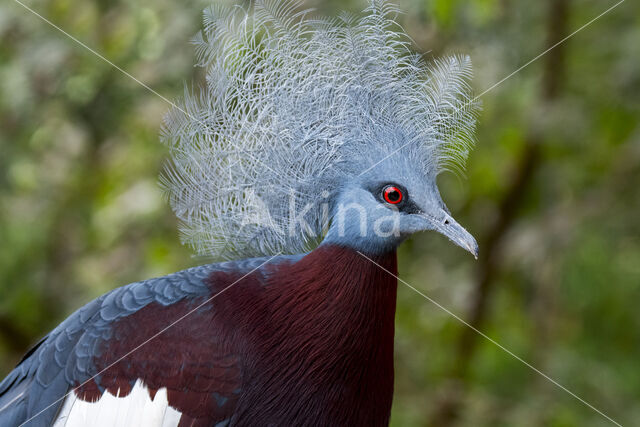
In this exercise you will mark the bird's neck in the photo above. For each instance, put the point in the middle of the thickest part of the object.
(328, 333)
(345, 292)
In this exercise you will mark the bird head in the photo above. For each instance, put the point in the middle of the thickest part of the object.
(312, 130)
(388, 202)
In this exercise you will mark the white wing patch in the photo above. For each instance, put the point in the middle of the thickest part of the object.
(135, 410)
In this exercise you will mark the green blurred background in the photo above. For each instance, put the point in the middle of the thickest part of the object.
(551, 193)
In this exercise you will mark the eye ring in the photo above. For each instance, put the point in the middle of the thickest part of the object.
(392, 194)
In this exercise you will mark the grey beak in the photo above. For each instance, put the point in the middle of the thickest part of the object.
(449, 227)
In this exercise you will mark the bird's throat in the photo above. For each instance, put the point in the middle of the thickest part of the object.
(328, 336)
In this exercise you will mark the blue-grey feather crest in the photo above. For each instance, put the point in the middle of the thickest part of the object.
(291, 108)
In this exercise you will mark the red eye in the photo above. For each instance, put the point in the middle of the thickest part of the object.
(392, 194)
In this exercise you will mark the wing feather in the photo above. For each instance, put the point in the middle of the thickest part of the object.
(70, 354)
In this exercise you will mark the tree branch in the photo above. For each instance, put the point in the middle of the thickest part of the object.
(489, 263)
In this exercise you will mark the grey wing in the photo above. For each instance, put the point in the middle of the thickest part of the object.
(33, 392)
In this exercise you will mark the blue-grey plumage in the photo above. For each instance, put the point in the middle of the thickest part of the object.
(65, 357)
(296, 109)
(307, 133)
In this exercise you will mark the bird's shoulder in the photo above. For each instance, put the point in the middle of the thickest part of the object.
(80, 347)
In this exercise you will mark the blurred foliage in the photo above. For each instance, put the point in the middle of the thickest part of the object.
(551, 192)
